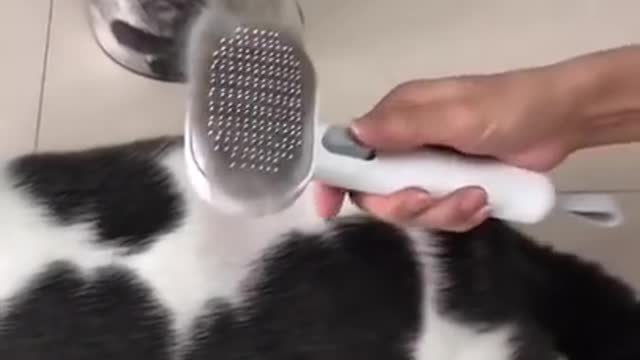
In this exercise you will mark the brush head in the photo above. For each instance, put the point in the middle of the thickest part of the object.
(250, 115)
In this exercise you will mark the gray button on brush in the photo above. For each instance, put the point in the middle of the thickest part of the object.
(338, 140)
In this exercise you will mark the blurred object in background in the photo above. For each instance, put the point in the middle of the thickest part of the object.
(147, 36)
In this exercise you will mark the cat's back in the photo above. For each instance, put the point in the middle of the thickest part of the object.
(72, 226)
(108, 254)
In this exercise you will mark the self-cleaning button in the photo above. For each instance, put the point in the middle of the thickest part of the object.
(338, 140)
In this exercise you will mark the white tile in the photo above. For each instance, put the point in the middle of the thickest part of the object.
(23, 35)
(90, 100)
(362, 48)
(603, 169)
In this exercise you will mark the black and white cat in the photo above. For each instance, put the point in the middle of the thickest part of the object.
(108, 253)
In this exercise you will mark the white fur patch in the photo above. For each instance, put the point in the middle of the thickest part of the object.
(29, 241)
(211, 254)
(445, 339)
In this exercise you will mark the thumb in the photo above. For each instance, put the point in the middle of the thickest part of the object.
(408, 127)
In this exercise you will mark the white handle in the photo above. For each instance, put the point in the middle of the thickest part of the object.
(514, 194)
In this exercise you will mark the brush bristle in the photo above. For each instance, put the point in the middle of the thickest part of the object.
(255, 108)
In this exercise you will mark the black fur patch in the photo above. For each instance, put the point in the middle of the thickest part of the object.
(356, 295)
(122, 189)
(64, 316)
(499, 276)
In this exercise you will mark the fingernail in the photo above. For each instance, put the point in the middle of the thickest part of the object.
(471, 203)
(481, 216)
(484, 211)
(356, 129)
(359, 125)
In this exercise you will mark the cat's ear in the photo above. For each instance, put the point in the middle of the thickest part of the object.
(139, 40)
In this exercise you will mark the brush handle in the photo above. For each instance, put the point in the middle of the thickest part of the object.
(514, 194)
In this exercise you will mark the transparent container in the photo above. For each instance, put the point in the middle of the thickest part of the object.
(147, 37)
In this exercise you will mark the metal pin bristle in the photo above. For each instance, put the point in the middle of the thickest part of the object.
(254, 95)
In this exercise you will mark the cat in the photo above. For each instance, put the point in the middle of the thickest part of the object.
(108, 253)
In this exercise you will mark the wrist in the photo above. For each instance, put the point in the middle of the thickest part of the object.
(602, 94)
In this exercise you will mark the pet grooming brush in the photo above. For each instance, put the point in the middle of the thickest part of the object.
(253, 141)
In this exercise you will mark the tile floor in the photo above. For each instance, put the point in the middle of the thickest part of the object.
(59, 90)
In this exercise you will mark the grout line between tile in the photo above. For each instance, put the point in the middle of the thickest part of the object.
(45, 61)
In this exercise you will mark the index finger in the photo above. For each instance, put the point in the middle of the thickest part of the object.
(406, 127)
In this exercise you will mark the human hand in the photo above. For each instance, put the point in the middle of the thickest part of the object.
(522, 118)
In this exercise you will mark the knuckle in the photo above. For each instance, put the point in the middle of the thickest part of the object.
(397, 211)
(462, 111)
(467, 124)
(407, 90)
(456, 221)
(455, 87)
